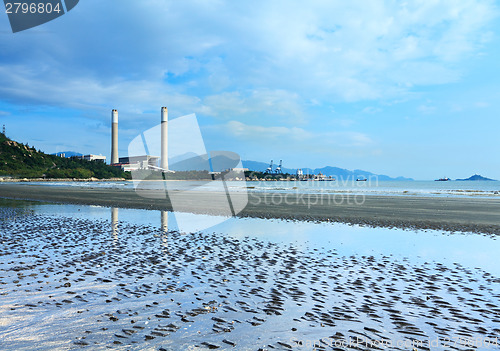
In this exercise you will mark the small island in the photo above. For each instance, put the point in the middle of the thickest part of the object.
(477, 177)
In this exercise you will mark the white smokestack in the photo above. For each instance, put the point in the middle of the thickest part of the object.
(164, 138)
(114, 136)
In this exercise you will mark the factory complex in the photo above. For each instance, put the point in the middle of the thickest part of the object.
(137, 162)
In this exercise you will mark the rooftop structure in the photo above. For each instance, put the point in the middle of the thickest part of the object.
(133, 163)
(91, 157)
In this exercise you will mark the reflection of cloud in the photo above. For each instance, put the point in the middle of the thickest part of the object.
(4, 113)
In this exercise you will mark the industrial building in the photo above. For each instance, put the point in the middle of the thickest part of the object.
(92, 157)
(132, 163)
(239, 169)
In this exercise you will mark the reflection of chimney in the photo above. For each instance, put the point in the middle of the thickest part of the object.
(114, 136)
(164, 221)
(114, 222)
(164, 229)
(164, 138)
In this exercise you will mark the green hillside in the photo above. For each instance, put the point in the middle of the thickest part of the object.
(21, 161)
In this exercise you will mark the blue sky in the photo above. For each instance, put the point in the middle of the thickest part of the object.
(401, 88)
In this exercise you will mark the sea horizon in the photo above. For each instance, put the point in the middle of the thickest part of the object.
(424, 188)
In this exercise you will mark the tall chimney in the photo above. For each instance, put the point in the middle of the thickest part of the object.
(114, 136)
(164, 139)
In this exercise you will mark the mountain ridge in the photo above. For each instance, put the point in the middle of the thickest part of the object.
(339, 173)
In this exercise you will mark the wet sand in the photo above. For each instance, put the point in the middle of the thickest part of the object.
(481, 215)
(69, 283)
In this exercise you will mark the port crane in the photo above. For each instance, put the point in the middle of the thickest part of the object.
(278, 169)
(270, 168)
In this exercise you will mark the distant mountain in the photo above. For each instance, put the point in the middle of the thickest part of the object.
(477, 177)
(67, 153)
(183, 157)
(339, 173)
(217, 163)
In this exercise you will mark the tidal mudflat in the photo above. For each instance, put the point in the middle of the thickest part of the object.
(71, 278)
(467, 214)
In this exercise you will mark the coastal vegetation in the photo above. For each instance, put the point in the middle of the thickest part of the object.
(254, 175)
(22, 161)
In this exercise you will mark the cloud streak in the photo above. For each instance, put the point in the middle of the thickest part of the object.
(294, 135)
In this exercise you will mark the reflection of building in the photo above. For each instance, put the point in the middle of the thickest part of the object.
(164, 229)
(133, 163)
(92, 157)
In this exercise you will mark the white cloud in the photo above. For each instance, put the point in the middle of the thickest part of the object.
(264, 102)
(345, 123)
(241, 130)
(293, 136)
(92, 94)
(229, 59)
(371, 109)
(427, 109)
(482, 104)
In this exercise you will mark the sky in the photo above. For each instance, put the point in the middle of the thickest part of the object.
(403, 88)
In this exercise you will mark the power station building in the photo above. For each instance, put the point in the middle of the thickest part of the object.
(132, 163)
(93, 158)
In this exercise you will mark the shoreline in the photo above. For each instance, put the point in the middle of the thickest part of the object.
(412, 212)
(4, 179)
